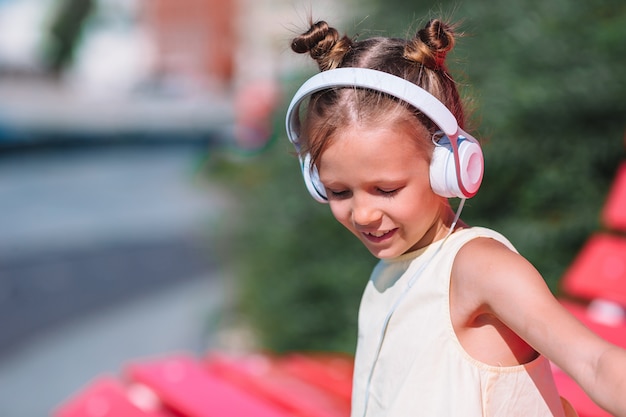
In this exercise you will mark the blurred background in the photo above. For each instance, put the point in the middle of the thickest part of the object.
(150, 203)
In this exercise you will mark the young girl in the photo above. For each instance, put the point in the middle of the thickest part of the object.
(453, 321)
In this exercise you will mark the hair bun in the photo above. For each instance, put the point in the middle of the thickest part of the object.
(431, 44)
(323, 43)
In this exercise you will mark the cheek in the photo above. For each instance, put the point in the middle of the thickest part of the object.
(341, 212)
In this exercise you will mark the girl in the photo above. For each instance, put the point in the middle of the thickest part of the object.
(453, 321)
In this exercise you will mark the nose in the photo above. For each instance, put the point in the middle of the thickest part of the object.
(364, 213)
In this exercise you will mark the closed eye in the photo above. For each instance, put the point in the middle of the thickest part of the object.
(338, 194)
(388, 192)
(343, 194)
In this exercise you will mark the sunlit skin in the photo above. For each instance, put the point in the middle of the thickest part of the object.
(378, 187)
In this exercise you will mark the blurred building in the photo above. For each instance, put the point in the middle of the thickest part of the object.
(230, 41)
(196, 38)
(146, 67)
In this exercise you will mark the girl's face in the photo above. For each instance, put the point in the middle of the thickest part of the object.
(378, 187)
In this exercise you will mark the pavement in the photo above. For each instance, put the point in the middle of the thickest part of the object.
(105, 258)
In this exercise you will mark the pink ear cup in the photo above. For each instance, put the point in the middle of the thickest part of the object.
(443, 177)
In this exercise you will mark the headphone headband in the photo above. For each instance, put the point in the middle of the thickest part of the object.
(399, 88)
(381, 81)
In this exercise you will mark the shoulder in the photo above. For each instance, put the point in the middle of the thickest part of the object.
(485, 250)
(485, 247)
(488, 266)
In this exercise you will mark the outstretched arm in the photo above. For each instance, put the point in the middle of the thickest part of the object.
(513, 291)
(606, 383)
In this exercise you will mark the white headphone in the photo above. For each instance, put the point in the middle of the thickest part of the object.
(457, 166)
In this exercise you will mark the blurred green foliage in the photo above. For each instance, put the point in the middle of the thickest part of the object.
(547, 80)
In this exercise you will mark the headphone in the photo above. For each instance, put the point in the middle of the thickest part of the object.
(457, 165)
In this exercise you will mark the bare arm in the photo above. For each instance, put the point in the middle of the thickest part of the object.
(511, 289)
(608, 388)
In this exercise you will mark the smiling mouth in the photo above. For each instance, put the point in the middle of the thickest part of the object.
(379, 236)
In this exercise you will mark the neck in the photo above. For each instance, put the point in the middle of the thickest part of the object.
(446, 222)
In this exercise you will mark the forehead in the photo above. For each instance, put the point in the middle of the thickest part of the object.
(371, 151)
(398, 135)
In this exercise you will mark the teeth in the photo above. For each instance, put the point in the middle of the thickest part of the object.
(378, 234)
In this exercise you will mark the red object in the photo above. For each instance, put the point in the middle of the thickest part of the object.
(267, 377)
(188, 388)
(598, 276)
(599, 270)
(224, 385)
(332, 372)
(614, 212)
(105, 397)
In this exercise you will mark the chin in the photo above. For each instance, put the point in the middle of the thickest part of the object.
(384, 253)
